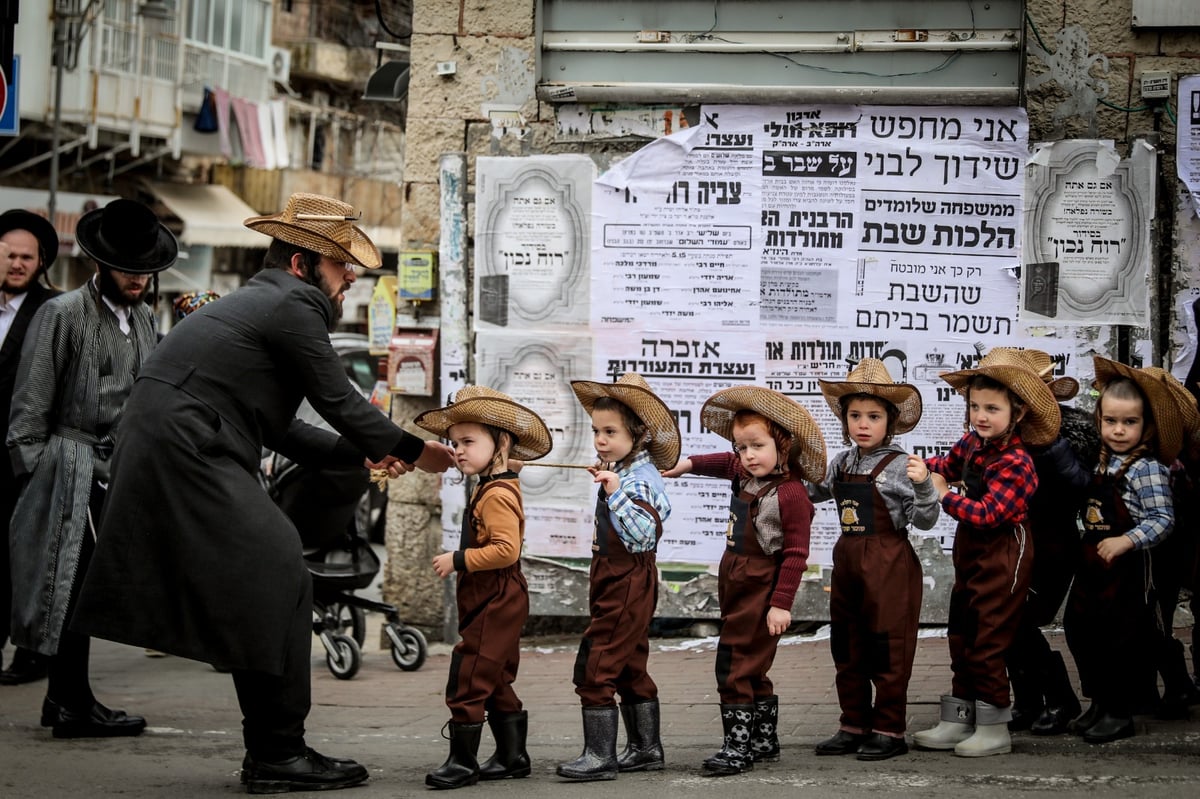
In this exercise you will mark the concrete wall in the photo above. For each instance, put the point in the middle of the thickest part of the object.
(1091, 57)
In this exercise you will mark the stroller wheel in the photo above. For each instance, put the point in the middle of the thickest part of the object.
(343, 656)
(408, 646)
(353, 621)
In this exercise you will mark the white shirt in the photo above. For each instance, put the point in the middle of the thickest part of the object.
(8, 312)
(121, 311)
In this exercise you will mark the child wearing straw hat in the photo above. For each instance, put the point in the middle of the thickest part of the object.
(636, 436)
(875, 590)
(776, 445)
(1008, 406)
(1110, 619)
(487, 429)
(1044, 700)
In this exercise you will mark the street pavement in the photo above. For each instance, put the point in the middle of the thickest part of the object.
(391, 721)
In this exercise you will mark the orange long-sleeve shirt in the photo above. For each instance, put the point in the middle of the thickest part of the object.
(499, 530)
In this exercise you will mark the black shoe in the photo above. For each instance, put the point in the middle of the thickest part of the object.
(1090, 716)
(1109, 728)
(310, 771)
(878, 746)
(842, 743)
(26, 667)
(95, 722)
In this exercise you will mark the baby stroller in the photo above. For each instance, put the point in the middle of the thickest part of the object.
(322, 504)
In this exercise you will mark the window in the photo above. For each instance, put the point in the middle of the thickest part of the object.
(238, 26)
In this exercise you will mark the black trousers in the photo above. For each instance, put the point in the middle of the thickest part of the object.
(274, 707)
(8, 501)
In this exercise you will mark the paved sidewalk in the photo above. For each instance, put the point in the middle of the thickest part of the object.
(391, 721)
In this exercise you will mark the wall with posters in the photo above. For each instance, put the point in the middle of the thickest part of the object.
(776, 246)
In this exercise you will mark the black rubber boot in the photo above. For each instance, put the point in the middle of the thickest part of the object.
(735, 756)
(1061, 703)
(1179, 692)
(643, 747)
(599, 758)
(1028, 698)
(1090, 716)
(511, 758)
(764, 734)
(461, 768)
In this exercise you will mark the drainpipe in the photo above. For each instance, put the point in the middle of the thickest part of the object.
(455, 335)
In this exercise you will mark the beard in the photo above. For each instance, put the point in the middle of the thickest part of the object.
(315, 277)
(114, 294)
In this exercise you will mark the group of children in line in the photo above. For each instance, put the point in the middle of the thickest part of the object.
(1017, 482)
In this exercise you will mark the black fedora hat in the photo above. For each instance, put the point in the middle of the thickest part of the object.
(39, 226)
(126, 235)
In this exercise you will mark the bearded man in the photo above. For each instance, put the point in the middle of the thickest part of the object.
(77, 369)
(28, 247)
(194, 558)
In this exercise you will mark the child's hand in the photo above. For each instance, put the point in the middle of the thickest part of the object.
(683, 467)
(916, 469)
(1112, 548)
(778, 620)
(609, 479)
(443, 564)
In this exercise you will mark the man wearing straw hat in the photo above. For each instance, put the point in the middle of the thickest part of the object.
(77, 368)
(194, 559)
(28, 247)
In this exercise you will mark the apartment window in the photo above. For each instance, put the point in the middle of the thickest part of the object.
(239, 26)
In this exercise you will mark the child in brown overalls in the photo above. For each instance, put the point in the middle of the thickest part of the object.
(636, 436)
(487, 429)
(776, 445)
(1008, 405)
(875, 590)
(1110, 620)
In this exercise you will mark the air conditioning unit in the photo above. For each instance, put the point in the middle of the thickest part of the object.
(280, 64)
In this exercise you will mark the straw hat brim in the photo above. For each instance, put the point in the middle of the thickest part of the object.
(1042, 415)
(1168, 417)
(1064, 388)
(362, 250)
(665, 443)
(533, 439)
(719, 410)
(905, 396)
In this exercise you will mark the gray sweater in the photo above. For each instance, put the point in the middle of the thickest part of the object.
(910, 504)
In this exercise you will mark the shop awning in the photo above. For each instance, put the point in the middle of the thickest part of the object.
(210, 215)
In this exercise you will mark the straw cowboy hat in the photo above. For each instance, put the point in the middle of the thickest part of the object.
(719, 409)
(1007, 366)
(38, 226)
(1166, 409)
(870, 376)
(126, 236)
(1063, 388)
(632, 390)
(323, 225)
(484, 405)
(1184, 399)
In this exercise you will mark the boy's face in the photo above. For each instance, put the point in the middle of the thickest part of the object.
(867, 423)
(756, 448)
(990, 411)
(1121, 423)
(473, 447)
(610, 436)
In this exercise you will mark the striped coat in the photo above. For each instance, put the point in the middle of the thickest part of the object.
(74, 356)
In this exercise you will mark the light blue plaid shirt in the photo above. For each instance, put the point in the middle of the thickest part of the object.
(1146, 491)
(634, 525)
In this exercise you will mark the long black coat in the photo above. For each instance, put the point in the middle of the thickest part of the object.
(193, 557)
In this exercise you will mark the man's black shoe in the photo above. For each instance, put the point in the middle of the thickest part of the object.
(95, 722)
(1109, 728)
(310, 771)
(878, 746)
(26, 667)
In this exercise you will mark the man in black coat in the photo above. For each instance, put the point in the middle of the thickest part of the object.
(32, 246)
(193, 557)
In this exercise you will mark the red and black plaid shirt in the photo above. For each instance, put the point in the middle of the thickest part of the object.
(1009, 481)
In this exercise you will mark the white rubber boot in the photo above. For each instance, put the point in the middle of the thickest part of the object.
(957, 724)
(991, 732)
